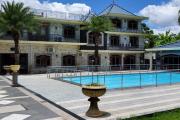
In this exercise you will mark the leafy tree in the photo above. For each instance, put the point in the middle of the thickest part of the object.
(98, 24)
(150, 37)
(166, 38)
(14, 18)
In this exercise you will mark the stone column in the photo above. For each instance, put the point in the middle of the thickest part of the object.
(137, 61)
(108, 41)
(122, 61)
(31, 61)
(151, 62)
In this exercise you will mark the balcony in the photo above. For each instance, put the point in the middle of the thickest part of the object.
(58, 15)
(127, 30)
(47, 37)
(125, 47)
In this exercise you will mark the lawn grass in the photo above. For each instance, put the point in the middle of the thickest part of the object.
(167, 115)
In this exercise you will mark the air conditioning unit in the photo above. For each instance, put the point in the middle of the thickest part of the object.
(50, 50)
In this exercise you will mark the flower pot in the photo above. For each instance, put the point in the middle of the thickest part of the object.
(94, 92)
(15, 68)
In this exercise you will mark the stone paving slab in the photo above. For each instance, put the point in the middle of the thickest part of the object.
(119, 103)
(22, 105)
(3, 83)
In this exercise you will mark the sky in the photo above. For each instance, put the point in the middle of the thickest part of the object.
(163, 14)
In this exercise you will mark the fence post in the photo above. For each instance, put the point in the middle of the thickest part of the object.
(71, 75)
(140, 80)
(122, 81)
(170, 78)
(80, 78)
(156, 79)
(104, 79)
(92, 78)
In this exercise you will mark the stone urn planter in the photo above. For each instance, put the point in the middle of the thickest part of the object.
(7, 68)
(94, 91)
(15, 68)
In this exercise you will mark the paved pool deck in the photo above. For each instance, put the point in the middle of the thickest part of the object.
(118, 103)
(17, 103)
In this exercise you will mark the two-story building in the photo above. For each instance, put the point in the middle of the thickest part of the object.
(60, 41)
(123, 45)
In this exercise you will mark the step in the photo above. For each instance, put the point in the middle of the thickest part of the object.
(128, 104)
(126, 112)
(130, 100)
(130, 92)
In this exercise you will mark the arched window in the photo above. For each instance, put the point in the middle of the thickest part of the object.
(92, 36)
(69, 60)
(43, 61)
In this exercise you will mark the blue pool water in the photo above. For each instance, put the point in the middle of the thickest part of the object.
(129, 80)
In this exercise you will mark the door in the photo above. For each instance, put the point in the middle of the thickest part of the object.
(69, 60)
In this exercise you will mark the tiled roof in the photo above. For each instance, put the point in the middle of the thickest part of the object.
(170, 45)
(89, 15)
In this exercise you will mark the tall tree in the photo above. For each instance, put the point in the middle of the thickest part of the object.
(14, 18)
(150, 37)
(166, 38)
(97, 25)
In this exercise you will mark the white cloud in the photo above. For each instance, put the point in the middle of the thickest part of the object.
(174, 29)
(165, 16)
(78, 8)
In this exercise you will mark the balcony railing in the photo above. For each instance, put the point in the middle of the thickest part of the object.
(129, 30)
(125, 47)
(49, 37)
(58, 15)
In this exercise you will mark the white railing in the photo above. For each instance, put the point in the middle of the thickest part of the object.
(58, 15)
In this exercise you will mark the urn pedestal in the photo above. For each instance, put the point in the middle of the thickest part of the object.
(94, 92)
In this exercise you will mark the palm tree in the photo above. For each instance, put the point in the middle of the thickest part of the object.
(14, 18)
(97, 25)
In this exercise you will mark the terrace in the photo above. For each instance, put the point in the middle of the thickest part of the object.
(59, 15)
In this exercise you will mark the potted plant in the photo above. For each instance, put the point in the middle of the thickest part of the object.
(15, 68)
(94, 91)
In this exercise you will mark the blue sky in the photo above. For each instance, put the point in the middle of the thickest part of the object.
(163, 14)
(132, 5)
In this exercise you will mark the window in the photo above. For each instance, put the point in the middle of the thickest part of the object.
(43, 61)
(133, 25)
(69, 60)
(134, 41)
(69, 32)
(116, 23)
(130, 59)
(114, 40)
(115, 60)
(91, 60)
(92, 38)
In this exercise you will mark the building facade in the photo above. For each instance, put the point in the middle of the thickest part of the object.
(165, 56)
(60, 41)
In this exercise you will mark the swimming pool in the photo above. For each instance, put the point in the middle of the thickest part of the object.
(128, 80)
